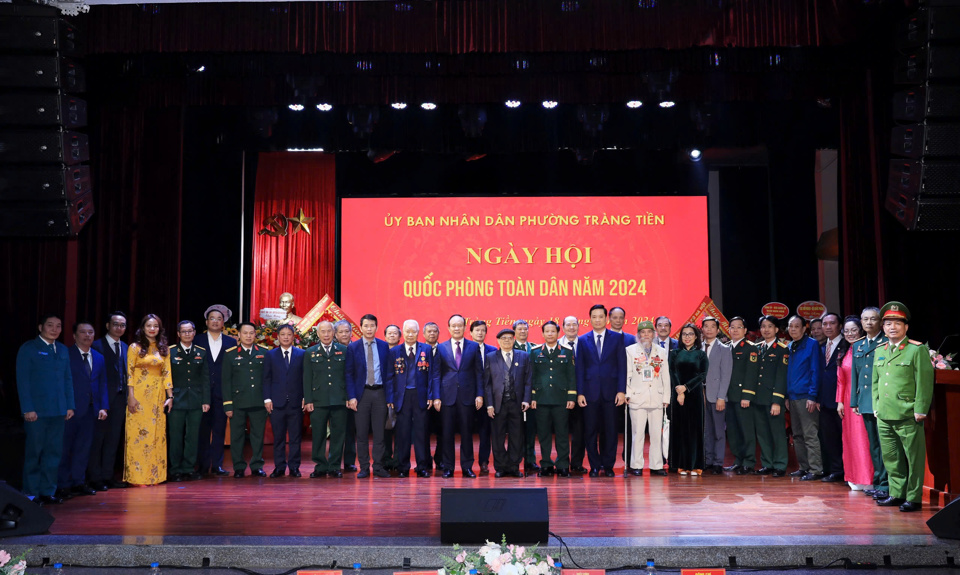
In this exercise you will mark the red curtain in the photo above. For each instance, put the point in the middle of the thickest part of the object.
(300, 263)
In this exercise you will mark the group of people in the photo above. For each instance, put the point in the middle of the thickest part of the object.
(856, 401)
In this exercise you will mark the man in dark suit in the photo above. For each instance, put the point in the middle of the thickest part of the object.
(618, 318)
(45, 386)
(481, 423)
(601, 387)
(460, 379)
(213, 424)
(343, 333)
(522, 331)
(369, 391)
(413, 396)
(570, 339)
(283, 398)
(431, 336)
(190, 373)
(507, 383)
(664, 325)
(90, 399)
(831, 426)
(108, 433)
(325, 399)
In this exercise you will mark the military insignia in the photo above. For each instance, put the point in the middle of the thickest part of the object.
(753, 357)
(259, 357)
(786, 360)
(338, 353)
(894, 307)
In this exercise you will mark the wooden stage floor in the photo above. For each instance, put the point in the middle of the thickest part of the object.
(672, 506)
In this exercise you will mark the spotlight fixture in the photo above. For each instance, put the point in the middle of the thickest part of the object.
(304, 149)
(634, 104)
(201, 68)
(667, 104)
(324, 107)
(695, 154)
(549, 104)
(296, 107)
(399, 106)
(513, 103)
(428, 106)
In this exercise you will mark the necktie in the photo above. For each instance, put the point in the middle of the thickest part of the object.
(662, 346)
(371, 380)
(53, 348)
(827, 350)
(286, 357)
(86, 364)
(410, 353)
(326, 349)
(707, 349)
(599, 344)
(509, 359)
(458, 355)
(121, 366)
(763, 349)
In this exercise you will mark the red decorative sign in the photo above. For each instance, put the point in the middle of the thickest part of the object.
(317, 572)
(809, 310)
(720, 571)
(583, 571)
(776, 309)
(706, 308)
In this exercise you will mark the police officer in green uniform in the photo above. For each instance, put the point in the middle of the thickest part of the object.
(325, 399)
(191, 399)
(243, 399)
(861, 394)
(522, 330)
(741, 434)
(553, 394)
(902, 386)
(769, 414)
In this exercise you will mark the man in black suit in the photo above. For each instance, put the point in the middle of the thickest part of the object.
(283, 398)
(831, 426)
(663, 339)
(413, 397)
(481, 423)
(213, 424)
(570, 338)
(431, 336)
(108, 433)
(343, 332)
(507, 382)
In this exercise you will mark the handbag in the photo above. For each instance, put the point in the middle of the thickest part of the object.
(665, 436)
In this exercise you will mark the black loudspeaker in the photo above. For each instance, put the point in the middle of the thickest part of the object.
(46, 219)
(43, 147)
(932, 63)
(928, 139)
(929, 101)
(934, 24)
(38, 34)
(19, 516)
(478, 515)
(34, 108)
(42, 183)
(47, 72)
(945, 523)
(921, 213)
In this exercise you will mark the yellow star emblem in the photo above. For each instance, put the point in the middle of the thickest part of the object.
(300, 221)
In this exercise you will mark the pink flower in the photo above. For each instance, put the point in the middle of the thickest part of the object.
(519, 551)
(19, 568)
(941, 365)
(495, 566)
(4, 557)
(550, 561)
(461, 556)
(506, 558)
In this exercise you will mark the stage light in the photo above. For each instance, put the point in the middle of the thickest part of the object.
(201, 68)
(634, 104)
(296, 107)
(324, 107)
(549, 104)
(399, 106)
(304, 149)
(513, 103)
(695, 155)
(667, 104)
(428, 106)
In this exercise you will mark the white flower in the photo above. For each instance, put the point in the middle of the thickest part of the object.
(491, 555)
(534, 570)
(441, 571)
(510, 569)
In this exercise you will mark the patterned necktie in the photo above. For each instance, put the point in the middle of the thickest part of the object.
(410, 353)
(371, 380)
(326, 349)
(458, 355)
(826, 350)
(86, 364)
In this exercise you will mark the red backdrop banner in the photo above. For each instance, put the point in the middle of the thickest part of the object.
(286, 258)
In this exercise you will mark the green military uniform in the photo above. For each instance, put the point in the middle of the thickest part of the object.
(771, 389)
(191, 391)
(741, 434)
(243, 395)
(861, 398)
(554, 383)
(530, 421)
(902, 387)
(325, 386)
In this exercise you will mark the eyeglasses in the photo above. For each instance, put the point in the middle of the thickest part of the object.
(851, 332)
(116, 324)
(688, 335)
(188, 331)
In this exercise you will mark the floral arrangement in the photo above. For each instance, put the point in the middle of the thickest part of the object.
(17, 568)
(500, 559)
(942, 361)
(267, 335)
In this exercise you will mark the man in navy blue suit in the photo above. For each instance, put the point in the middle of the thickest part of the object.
(90, 399)
(108, 433)
(664, 325)
(283, 398)
(831, 427)
(213, 425)
(618, 318)
(369, 391)
(460, 379)
(413, 396)
(481, 421)
(601, 388)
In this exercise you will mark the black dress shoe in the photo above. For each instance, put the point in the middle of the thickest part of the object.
(97, 486)
(258, 473)
(350, 468)
(238, 473)
(118, 484)
(498, 474)
(363, 474)
(869, 492)
(192, 476)
(318, 474)
(546, 471)
(798, 473)
(778, 473)
(484, 469)
(715, 470)
(335, 474)
(880, 494)
(63, 494)
(469, 473)
(381, 473)
(733, 468)
(531, 469)
(277, 473)
(910, 506)
(403, 474)
(811, 477)
(609, 473)
(660, 472)
(83, 489)
(49, 500)
(518, 474)
(594, 473)
(423, 473)
(563, 472)
(578, 469)
(295, 473)
(448, 474)
(221, 472)
(636, 472)
(176, 478)
(891, 502)
(765, 471)
(832, 478)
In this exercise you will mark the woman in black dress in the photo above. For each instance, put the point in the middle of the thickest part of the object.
(688, 371)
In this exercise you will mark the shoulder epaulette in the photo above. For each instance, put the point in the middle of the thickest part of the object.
(915, 342)
(199, 347)
(781, 344)
(861, 339)
(232, 348)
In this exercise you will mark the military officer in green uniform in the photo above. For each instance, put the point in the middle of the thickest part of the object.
(861, 394)
(243, 399)
(553, 394)
(522, 330)
(191, 399)
(325, 399)
(902, 386)
(741, 434)
(769, 415)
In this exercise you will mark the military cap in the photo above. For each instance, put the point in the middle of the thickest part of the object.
(895, 310)
(645, 325)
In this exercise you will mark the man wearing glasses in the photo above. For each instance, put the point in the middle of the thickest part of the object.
(191, 399)
(108, 433)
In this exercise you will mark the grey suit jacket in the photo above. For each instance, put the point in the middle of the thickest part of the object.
(719, 371)
(495, 371)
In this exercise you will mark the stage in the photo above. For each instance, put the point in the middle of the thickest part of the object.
(261, 523)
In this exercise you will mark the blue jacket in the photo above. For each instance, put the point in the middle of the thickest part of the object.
(357, 369)
(805, 369)
(419, 371)
(601, 376)
(464, 384)
(116, 367)
(282, 384)
(215, 368)
(89, 388)
(44, 381)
